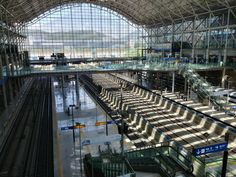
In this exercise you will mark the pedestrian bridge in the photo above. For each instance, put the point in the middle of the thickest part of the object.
(126, 66)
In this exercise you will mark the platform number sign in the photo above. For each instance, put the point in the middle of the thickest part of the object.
(210, 149)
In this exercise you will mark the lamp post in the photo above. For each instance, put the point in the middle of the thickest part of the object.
(96, 103)
(188, 90)
(106, 126)
(73, 121)
(229, 81)
(73, 129)
(80, 148)
(225, 158)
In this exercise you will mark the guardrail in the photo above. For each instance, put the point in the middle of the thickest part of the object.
(188, 162)
(203, 89)
(107, 165)
(138, 65)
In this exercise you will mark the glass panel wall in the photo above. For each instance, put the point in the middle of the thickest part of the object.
(84, 31)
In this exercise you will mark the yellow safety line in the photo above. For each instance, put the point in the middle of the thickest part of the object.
(231, 162)
(60, 168)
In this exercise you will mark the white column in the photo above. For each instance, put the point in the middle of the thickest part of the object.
(227, 36)
(173, 82)
(12, 64)
(193, 39)
(63, 93)
(207, 55)
(77, 89)
(223, 75)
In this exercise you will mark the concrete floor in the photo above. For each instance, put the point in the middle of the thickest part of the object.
(88, 113)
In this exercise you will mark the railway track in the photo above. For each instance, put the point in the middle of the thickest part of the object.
(29, 144)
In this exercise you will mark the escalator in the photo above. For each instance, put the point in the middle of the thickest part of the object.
(107, 165)
(112, 165)
(204, 90)
(160, 160)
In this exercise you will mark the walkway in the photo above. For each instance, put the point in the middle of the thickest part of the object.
(86, 114)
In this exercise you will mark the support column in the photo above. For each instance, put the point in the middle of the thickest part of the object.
(181, 47)
(17, 88)
(185, 85)
(173, 82)
(10, 89)
(226, 48)
(18, 84)
(207, 55)
(7, 65)
(4, 96)
(189, 90)
(219, 56)
(77, 89)
(3, 85)
(12, 64)
(21, 59)
(63, 93)
(9, 81)
(135, 76)
(196, 59)
(193, 39)
(193, 53)
(227, 36)
(21, 82)
(140, 78)
(225, 158)
(208, 40)
(172, 39)
(225, 55)
(223, 75)
(16, 64)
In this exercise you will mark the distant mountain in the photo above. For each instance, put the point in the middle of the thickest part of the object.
(69, 35)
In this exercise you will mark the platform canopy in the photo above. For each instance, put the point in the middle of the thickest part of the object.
(142, 12)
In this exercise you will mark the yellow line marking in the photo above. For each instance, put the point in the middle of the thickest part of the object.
(230, 161)
(60, 168)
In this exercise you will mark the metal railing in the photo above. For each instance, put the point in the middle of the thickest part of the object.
(177, 153)
(124, 65)
(108, 165)
(204, 89)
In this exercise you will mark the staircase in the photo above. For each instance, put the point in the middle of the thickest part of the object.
(205, 90)
(107, 165)
(164, 160)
